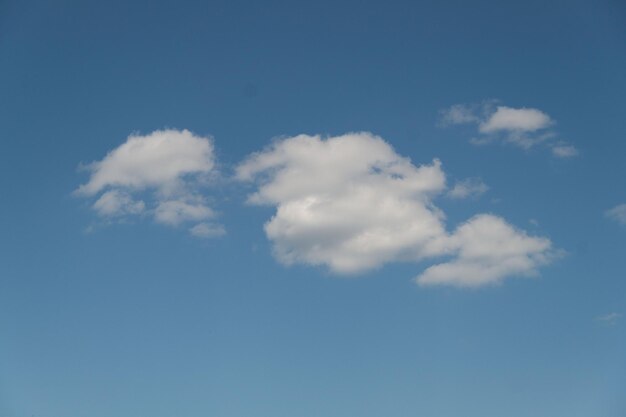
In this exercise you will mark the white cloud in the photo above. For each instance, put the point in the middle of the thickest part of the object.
(459, 114)
(617, 213)
(564, 151)
(161, 174)
(511, 119)
(523, 127)
(609, 319)
(207, 230)
(117, 203)
(159, 160)
(470, 187)
(351, 203)
(487, 249)
(348, 202)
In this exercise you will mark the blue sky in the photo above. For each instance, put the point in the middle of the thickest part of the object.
(312, 209)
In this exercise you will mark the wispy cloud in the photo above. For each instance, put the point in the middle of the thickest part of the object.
(207, 230)
(617, 213)
(160, 175)
(470, 187)
(609, 319)
(351, 203)
(564, 151)
(459, 114)
(523, 127)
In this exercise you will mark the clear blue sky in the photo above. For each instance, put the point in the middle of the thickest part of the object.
(126, 316)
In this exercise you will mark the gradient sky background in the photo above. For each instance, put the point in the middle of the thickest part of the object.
(136, 319)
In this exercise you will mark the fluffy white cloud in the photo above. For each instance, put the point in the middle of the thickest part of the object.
(159, 160)
(617, 213)
(470, 187)
(522, 127)
(160, 174)
(349, 202)
(508, 118)
(487, 249)
(353, 204)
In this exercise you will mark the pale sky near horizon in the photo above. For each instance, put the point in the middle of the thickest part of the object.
(313, 209)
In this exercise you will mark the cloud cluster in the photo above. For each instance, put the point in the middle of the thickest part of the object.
(160, 175)
(351, 203)
(522, 127)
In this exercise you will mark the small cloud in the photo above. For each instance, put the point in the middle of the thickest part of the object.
(617, 213)
(175, 212)
(517, 120)
(564, 151)
(160, 160)
(523, 127)
(117, 203)
(609, 319)
(480, 141)
(470, 187)
(489, 250)
(534, 222)
(526, 140)
(207, 231)
(458, 114)
(162, 174)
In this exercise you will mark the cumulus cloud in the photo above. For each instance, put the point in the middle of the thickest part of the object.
(160, 174)
(159, 160)
(617, 213)
(349, 202)
(487, 249)
(470, 187)
(511, 119)
(352, 204)
(523, 127)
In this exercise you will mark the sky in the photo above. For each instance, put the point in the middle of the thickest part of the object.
(312, 209)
